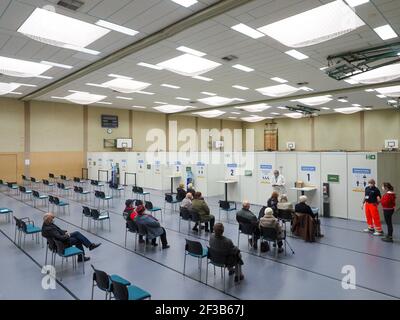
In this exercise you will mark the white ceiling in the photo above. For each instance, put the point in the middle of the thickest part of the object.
(214, 37)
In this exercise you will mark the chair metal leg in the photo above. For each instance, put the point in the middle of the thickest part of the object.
(92, 290)
(184, 264)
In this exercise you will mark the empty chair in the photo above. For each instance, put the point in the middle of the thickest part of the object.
(62, 187)
(35, 182)
(116, 189)
(25, 180)
(25, 226)
(96, 184)
(184, 214)
(149, 206)
(48, 186)
(270, 234)
(196, 250)
(12, 188)
(227, 206)
(66, 252)
(131, 292)
(65, 179)
(217, 259)
(26, 194)
(52, 177)
(83, 193)
(98, 216)
(104, 198)
(39, 197)
(102, 281)
(51, 203)
(61, 204)
(86, 213)
(7, 213)
(142, 193)
(170, 199)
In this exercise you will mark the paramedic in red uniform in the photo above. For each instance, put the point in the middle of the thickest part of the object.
(371, 200)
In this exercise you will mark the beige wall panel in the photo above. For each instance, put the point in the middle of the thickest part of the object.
(11, 125)
(143, 122)
(297, 130)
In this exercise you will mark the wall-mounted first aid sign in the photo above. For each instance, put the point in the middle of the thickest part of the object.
(141, 164)
(360, 177)
(265, 173)
(200, 169)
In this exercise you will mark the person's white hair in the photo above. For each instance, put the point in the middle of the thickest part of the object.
(284, 198)
(268, 211)
(303, 198)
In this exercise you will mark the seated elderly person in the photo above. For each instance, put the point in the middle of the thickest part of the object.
(180, 192)
(220, 243)
(284, 204)
(303, 207)
(152, 226)
(246, 216)
(187, 201)
(273, 202)
(269, 221)
(199, 205)
(77, 239)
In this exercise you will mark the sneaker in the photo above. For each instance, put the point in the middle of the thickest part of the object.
(166, 246)
(94, 246)
(387, 239)
(369, 230)
(241, 278)
(378, 233)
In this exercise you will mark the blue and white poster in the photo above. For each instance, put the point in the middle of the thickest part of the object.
(360, 177)
(265, 173)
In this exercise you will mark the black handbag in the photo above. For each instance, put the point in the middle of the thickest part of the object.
(264, 247)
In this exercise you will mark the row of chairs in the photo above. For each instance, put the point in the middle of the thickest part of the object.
(56, 202)
(96, 216)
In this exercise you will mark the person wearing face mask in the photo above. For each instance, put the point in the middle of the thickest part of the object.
(370, 205)
(388, 202)
(278, 183)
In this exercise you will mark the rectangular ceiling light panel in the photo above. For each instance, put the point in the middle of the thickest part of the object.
(189, 65)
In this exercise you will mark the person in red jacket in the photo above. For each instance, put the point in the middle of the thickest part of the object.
(388, 202)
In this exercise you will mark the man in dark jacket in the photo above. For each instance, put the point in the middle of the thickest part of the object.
(246, 216)
(51, 231)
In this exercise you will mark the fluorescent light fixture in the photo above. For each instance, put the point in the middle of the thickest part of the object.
(191, 51)
(370, 90)
(208, 93)
(306, 89)
(343, 100)
(392, 101)
(248, 31)
(323, 68)
(294, 115)
(170, 86)
(189, 65)
(368, 109)
(54, 64)
(113, 75)
(348, 110)
(393, 91)
(170, 108)
(138, 107)
(356, 105)
(94, 85)
(253, 119)
(239, 99)
(123, 98)
(235, 112)
(61, 31)
(116, 27)
(216, 101)
(21, 68)
(355, 3)
(242, 68)
(381, 96)
(351, 81)
(386, 32)
(14, 92)
(296, 54)
(151, 66)
(43, 77)
(8, 87)
(210, 113)
(314, 26)
(378, 75)
(203, 78)
(280, 80)
(145, 92)
(104, 102)
(181, 98)
(277, 91)
(275, 113)
(326, 108)
(160, 102)
(232, 117)
(254, 107)
(185, 3)
(60, 98)
(125, 85)
(315, 101)
(84, 97)
(240, 87)
(27, 85)
(282, 108)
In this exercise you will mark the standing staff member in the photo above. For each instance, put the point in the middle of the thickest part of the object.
(370, 203)
(388, 202)
(278, 183)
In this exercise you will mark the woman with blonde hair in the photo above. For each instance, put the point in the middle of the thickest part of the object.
(284, 204)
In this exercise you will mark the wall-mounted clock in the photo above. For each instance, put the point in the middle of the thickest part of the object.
(109, 131)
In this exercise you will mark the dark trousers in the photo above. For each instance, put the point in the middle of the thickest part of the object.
(211, 222)
(388, 213)
(163, 238)
(78, 240)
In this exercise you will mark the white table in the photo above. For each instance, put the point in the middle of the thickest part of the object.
(304, 189)
(226, 182)
(172, 181)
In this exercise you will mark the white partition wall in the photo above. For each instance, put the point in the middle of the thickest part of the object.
(334, 164)
(265, 165)
(233, 170)
(361, 167)
(286, 163)
(140, 168)
(309, 171)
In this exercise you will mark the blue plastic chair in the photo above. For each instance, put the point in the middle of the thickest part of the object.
(226, 206)
(39, 197)
(68, 252)
(7, 213)
(131, 292)
(149, 206)
(26, 227)
(195, 250)
(170, 199)
(25, 193)
(103, 281)
(61, 204)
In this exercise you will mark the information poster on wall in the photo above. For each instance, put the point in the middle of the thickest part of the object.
(178, 166)
(141, 165)
(157, 167)
(100, 163)
(232, 170)
(360, 177)
(200, 168)
(308, 175)
(265, 173)
(124, 164)
(90, 162)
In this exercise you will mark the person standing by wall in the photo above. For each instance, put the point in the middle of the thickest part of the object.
(370, 205)
(388, 202)
(278, 183)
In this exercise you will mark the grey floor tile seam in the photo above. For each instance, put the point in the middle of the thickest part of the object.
(122, 247)
(39, 265)
(246, 252)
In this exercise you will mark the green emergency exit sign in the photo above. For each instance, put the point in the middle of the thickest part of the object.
(333, 178)
(370, 157)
